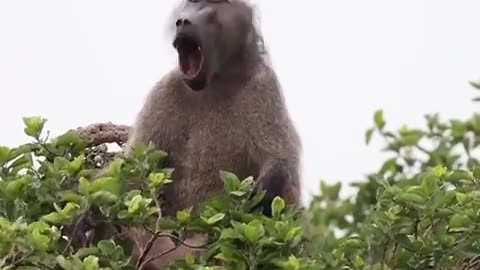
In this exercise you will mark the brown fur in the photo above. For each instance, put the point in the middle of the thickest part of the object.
(206, 132)
(238, 123)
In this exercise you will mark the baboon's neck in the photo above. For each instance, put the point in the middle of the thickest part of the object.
(240, 67)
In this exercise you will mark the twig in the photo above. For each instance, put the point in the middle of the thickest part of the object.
(23, 257)
(152, 240)
(157, 235)
(148, 229)
(74, 232)
(157, 257)
(44, 146)
(147, 248)
(425, 151)
(31, 264)
(185, 244)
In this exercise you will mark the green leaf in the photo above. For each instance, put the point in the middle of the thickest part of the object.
(158, 179)
(61, 163)
(184, 215)
(54, 218)
(214, 219)
(278, 204)
(458, 175)
(389, 165)
(247, 184)
(68, 139)
(447, 198)
(475, 84)
(293, 263)
(84, 252)
(70, 209)
(231, 253)
(476, 172)
(407, 243)
(230, 180)
(64, 263)
(412, 198)
(462, 198)
(40, 240)
(91, 263)
(111, 184)
(429, 184)
(139, 151)
(368, 135)
(447, 241)
(230, 233)
(189, 259)
(166, 223)
(34, 126)
(359, 262)
(439, 171)
(253, 202)
(75, 165)
(4, 154)
(104, 197)
(168, 172)
(84, 186)
(459, 221)
(458, 129)
(114, 168)
(352, 243)
(24, 162)
(378, 119)
(107, 247)
(136, 204)
(238, 193)
(411, 137)
(157, 155)
(253, 231)
(14, 187)
(331, 192)
(71, 196)
(292, 233)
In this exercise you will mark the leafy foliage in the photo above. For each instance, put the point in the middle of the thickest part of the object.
(418, 211)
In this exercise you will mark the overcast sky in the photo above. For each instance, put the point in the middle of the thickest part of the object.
(80, 62)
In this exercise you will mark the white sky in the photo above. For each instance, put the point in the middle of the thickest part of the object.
(80, 62)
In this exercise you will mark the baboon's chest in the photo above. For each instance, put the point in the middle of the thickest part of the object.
(214, 141)
(209, 145)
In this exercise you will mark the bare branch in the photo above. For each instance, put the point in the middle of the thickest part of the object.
(141, 262)
(147, 249)
(157, 257)
(100, 133)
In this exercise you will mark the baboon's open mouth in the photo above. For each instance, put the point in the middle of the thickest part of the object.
(190, 57)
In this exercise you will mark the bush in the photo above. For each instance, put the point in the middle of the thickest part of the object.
(420, 210)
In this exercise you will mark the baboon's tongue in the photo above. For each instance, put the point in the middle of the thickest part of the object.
(193, 62)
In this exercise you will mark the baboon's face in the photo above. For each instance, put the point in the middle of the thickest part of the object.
(208, 34)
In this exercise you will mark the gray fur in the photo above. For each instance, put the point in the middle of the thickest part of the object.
(238, 122)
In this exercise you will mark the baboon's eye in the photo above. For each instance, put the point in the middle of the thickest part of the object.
(218, 1)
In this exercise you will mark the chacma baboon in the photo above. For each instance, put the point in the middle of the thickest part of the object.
(221, 109)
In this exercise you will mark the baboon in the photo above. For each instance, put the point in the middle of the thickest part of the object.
(221, 109)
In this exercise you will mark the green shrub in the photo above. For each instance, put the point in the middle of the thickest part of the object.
(420, 210)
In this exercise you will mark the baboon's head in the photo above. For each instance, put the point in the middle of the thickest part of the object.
(211, 36)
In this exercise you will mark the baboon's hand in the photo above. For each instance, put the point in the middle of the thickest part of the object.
(274, 181)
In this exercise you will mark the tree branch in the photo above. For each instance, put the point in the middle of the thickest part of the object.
(100, 133)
